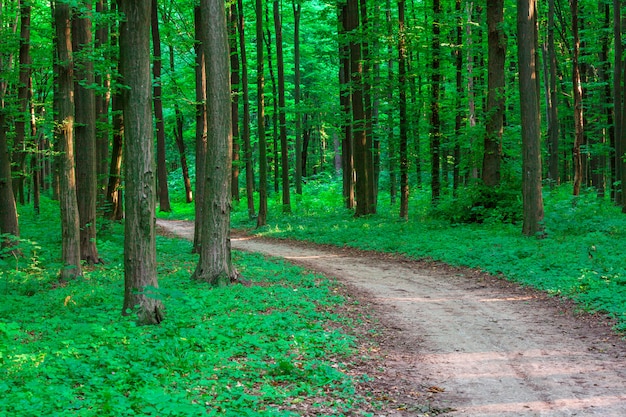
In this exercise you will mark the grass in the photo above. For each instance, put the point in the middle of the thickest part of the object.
(582, 257)
(262, 350)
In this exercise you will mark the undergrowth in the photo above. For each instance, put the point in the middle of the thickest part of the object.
(238, 351)
(582, 257)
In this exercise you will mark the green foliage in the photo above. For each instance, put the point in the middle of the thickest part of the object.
(478, 204)
(237, 351)
(581, 256)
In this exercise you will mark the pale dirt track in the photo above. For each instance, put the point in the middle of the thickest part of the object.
(492, 348)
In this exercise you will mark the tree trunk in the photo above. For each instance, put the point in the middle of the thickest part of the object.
(235, 81)
(282, 117)
(85, 133)
(270, 66)
(391, 143)
(297, 11)
(64, 132)
(529, 107)
(103, 99)
(578, 101)
(214, 265)
(435, 122)
(157, 64)
(402, 87)
(140, 275)
(553, 102)
(346, 107)
(496, 39)
(246, 113)
(8, 211)
(114, 207)
(178, 135)
(201, 127)
(260, 80)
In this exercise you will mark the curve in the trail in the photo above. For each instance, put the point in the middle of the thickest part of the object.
(495, 351)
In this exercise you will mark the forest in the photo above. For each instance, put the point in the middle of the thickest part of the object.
(484, 135)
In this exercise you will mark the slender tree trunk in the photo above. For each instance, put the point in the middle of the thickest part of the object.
(391, 142)
(214, 265)
(178, 135)
(282, 117)
(260, 80)
(495, 93)
(246, 113)
(435, 122)
(103, 99)
(553, 102)
(8, 211)
(23, 98)
(140, 275)
(366, 86)
(578, 101)
(274, 96)
(235, 81)
(346, 106)
(201, 126)
(64, 132)
(157, 64)
(114, 207)
(402, 87)
(85, 134)
(297, 11)
(529, 107)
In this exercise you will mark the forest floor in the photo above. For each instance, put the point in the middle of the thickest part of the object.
(458, 342)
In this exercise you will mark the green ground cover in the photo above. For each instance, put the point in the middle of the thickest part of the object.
(256, 350)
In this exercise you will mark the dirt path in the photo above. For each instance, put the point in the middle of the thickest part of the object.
(486, 347)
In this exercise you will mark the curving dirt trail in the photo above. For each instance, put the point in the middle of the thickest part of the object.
(478, 345)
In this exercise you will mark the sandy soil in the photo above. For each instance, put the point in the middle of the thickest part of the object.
(467, 343)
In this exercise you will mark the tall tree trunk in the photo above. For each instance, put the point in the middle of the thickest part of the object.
(260, 80)
(214, 265)
(362, 166)
(201, 126)
(391, 143)
(23, 98)
(366, 85)
(270, 66)
(495, 93)
(103, 99)
(282, 117)
(460, 113)
(8, 211)
(140, 275)
(64, 132)
(245, 97)
(235, 81)
(346, 107)
(553, 102)
(578, 101)
(163, 190)
(435, 122)
(402, 87)
(297, 11)
(85, 133)
(529, 107)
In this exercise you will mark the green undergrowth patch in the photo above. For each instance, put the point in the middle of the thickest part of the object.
(582, 257)
(258, 350)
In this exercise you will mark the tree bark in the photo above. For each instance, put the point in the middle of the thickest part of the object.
(64, 133)
(435, 122)
(282, 117)
(235, 81)
(245, 97)
(103, 99)
(402, 87)
(347, 158)
(157, 65)
(140, 275)
(578, 101)
(297, 12)
(496, 39)
(85, 133)
(8, 210)
(262, 217)
(553, 102)
(529, 107)
(201, 127)
(214, 265)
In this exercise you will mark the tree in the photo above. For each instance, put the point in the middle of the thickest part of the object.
(297, 13)
(495, 93)
(282, 117)
(553, 108)
(347, 159)
(201, 125)
(214, 265)
(163, 190)
(64, 134)
(140, 275)
(435, 97)
(578, 101)
(402, 88)
(529, 109)
(260, 81)
(85, 133)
